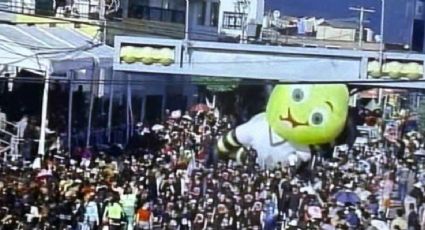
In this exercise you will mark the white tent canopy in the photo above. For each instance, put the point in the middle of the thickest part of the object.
(51, 49)
(54, 51)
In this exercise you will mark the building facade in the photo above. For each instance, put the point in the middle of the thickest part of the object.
(236, 15)
(403, 20)
(204, 19)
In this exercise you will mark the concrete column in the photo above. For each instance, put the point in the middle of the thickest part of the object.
(70, 102)
(207, 12)
(45, 102)
(124, 6)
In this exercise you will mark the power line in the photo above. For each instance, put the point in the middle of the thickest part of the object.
(99, 24)
(362, 11)
(34, 47)
(196, 82)
(105, 26)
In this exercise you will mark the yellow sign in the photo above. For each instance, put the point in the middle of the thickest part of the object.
(396, 70)
(147, 55)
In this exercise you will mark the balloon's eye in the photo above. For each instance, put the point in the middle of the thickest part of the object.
(298, 95)
(317, 118)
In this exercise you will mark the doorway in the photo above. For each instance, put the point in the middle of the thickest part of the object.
(418, 35)
(176, 102)
(153, 108)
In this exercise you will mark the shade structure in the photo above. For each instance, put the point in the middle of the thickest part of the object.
(51, 49)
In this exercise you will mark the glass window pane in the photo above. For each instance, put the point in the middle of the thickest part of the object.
(200, 19)
(215, 7)
(232, 20)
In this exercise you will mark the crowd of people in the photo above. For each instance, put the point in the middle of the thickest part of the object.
(170, 178)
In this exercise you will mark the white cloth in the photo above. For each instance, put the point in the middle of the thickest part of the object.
(85, 162)
(309, 25)
(292, 159)
(37, 163)
(3, 120)
(176, 114)
(407, 201)
(33, 213)
(22, 125)
(270, 149)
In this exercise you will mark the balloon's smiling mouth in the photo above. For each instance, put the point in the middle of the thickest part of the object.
(290, 119)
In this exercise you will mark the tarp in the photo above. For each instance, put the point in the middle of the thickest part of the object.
(56, 50)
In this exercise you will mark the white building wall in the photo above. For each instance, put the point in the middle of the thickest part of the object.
(254, 11)
(336, 34)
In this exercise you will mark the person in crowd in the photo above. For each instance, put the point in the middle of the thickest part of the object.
(403, 173)
(3, 120)
(114, 214)
(91, 212)
(167, 182)
(413, 219)
(399, 222)
(128, 202)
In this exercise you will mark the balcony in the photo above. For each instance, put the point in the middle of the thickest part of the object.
(156, 14)
(274, 38)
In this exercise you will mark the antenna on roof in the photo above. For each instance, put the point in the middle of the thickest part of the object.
(362, 10)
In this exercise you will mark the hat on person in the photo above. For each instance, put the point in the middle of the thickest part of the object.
(187, 117)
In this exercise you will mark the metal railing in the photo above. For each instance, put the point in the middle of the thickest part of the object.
(9, 139)
(156, 14)
(84, 9)
(98, 137)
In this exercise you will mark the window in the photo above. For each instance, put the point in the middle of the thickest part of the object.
(141, 9)
(419, 9)
(200, 17)
(215, 7)
(232, 20)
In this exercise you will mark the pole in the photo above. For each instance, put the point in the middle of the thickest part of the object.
(186, 24)
(102, 10)
(244, 6)
(90, 115)
(127, 129)
(381, 43)
(186, 35)
(111, 100)
(130, 108)
(42, 140)
(94, 77)
(361, 27)
(362, 11)
(70, 102)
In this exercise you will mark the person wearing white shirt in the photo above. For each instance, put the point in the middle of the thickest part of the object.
(292, 160)
(128, 202)
(91, 215)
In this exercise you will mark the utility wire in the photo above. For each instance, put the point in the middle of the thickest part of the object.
(197, 82)
(98, 24)
(92, 41)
